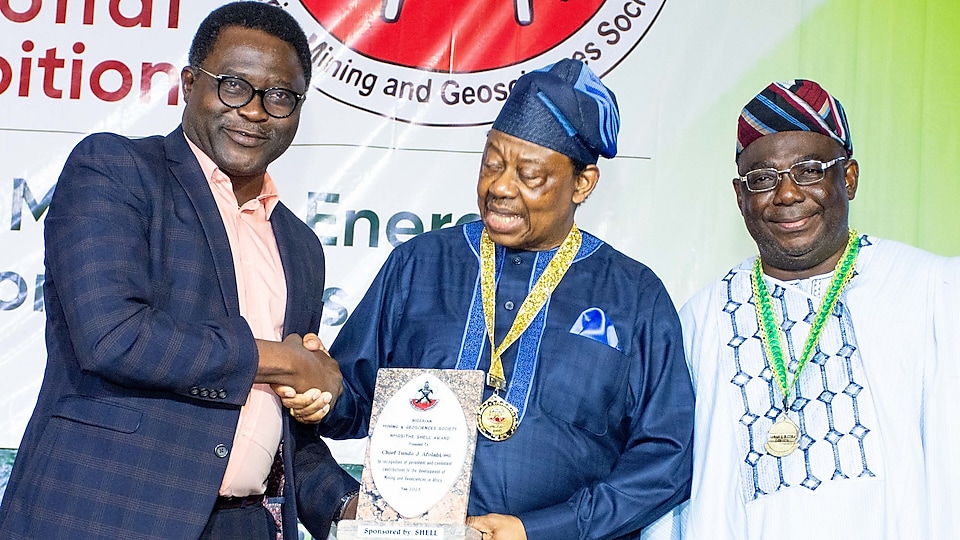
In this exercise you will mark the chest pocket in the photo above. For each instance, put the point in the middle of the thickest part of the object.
(583, 382)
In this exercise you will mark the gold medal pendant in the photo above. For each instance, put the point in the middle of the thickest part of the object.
(497, 419)
(784, 437)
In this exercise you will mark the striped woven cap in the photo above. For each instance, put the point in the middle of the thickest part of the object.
(797, 105)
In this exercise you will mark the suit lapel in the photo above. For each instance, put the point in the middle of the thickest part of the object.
(186, 169)
(295, 276)
(293, 271)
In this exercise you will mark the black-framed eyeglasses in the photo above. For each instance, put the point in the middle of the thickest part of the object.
(235, 92)
(803, 173)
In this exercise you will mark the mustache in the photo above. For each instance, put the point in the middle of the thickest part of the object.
(252, 130)
(788, 217)
(494, 204)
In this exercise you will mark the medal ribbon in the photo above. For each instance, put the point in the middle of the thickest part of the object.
(770, 334)
(535, 299)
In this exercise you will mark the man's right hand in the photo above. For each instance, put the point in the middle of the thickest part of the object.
(290, 363)
(307, 408)
(312, 342)
(311, 406)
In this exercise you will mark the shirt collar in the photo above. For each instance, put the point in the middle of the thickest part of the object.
(268, 197)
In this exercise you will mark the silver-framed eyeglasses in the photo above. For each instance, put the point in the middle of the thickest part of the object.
(235, 92)
(803, 173)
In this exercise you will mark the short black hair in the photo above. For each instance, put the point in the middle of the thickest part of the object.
(578, 166)
(257, 16)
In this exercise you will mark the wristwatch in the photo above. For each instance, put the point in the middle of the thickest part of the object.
(342, 506)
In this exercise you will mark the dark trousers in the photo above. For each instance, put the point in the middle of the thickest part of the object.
(249, 522)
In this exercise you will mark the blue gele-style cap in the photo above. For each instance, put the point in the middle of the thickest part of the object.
(563, 107)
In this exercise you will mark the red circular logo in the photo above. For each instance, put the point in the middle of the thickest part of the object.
(454, 63)
(453, 37)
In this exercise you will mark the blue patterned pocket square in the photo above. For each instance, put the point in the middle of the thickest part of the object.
(593, 324)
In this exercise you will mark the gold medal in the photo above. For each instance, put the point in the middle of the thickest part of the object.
(497, 419)
(784, 437)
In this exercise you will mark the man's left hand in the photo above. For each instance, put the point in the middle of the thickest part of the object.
(498, 527)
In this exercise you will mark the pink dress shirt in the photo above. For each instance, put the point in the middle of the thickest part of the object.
(262, 290)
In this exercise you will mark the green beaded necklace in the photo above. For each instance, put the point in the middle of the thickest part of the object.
(770, 334)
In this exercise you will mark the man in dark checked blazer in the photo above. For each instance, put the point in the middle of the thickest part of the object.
(177, 291)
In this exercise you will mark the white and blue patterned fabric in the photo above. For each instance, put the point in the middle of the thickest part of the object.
(831, 403)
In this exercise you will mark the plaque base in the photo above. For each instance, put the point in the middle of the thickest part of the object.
(349, 529)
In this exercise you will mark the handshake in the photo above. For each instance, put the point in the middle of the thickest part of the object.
(303, 375)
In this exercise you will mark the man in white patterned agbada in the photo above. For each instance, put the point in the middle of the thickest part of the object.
(823, 368)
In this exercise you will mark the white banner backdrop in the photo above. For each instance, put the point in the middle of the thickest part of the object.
(389, 141)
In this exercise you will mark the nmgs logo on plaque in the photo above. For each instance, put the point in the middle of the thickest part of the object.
(453, 63)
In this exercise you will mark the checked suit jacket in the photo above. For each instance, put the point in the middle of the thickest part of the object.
(148, 358)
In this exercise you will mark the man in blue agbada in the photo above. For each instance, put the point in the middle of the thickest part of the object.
(591, 406)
